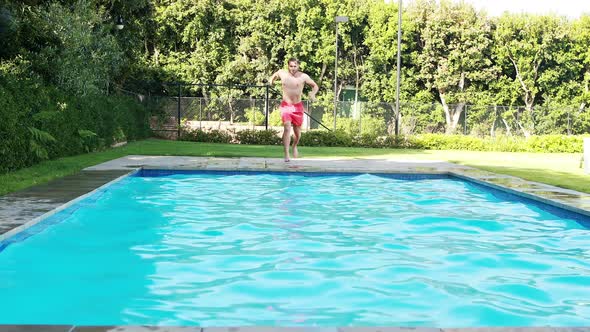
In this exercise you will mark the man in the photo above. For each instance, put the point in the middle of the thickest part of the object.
(291, 107)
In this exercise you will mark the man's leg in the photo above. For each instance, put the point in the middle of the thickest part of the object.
(286, 138)
(297, 133)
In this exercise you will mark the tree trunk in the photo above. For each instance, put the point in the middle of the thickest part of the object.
(493, 128)
(231, 111)
(322, 73)
(583, 104)
(456, 115)
(527, 132)
(528, 96)
(452, 114)
(508, 132)
(356, 88)
(157, 56)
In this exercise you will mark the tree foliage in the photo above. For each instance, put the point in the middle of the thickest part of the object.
(452, 55)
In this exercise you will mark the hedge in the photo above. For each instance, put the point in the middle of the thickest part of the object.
(40, 122)
(545, 143)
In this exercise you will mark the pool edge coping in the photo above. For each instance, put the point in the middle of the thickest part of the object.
(21, 228)
(156, 328)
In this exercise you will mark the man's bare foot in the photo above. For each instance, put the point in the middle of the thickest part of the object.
(295, 152)
(287, 159)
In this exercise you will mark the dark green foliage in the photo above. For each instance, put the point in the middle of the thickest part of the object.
(61, 61)
(40, 122)
(259, 137)
(38, 142)
(213, 136)
(325, 138)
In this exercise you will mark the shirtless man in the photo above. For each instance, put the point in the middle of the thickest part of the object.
(291, 107)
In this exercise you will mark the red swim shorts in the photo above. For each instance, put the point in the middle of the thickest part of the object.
(292, 113)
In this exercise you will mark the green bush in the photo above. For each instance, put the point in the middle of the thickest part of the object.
(259, 137)
(369, 141)
(274, 119)
(254, 116)
(450, 142)
(325, 138)
(555, 143)
(54, 124)
(199, 135)
(546, 143)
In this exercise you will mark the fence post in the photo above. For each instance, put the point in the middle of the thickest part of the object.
(396, 118)
(178, 110)
(360, 114)
(266, 107)
(569, 130)
(586, 155)
(465, 121)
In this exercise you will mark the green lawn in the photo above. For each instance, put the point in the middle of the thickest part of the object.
(559, 169)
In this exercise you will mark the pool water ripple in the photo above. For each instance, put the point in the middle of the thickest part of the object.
(290, 250)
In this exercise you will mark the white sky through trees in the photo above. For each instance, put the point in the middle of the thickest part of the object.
(570, 8)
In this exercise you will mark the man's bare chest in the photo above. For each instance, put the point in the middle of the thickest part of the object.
(293, 82)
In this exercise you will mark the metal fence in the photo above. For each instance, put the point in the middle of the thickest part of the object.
(231, 111)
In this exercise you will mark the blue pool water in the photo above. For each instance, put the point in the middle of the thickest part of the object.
(214, 249)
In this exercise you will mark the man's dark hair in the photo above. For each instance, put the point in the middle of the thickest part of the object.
(293, 60)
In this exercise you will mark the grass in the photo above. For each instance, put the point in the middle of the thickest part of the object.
(559, 169)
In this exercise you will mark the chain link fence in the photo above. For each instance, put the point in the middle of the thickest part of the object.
(228, 110)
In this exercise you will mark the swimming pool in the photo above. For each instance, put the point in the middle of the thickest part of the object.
(236, 248)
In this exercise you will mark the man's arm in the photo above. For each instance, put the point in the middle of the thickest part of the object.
(314, 88)
(274, 76)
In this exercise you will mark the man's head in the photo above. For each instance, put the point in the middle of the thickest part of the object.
(293, 66)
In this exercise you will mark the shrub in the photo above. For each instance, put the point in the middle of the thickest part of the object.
(325, 138)
(212, 136)
(254, 116)
(546, 143)
(55, 124)
(555, 143)
(274, 119)
(259, 137)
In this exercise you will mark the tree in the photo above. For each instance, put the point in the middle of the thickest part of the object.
(581, 36)
(525, 47)
(454, 57)
(84, 56)
(194, 39)
(380, 67)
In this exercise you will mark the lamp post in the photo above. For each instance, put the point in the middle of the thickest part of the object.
(119, 23)
(119, 26)
(338, 19)
(399, 66)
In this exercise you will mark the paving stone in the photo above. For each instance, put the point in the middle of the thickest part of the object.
(270, 329)
(18, 208)
(35, 328)
(137, 329)
(503, 329)
(388, 329)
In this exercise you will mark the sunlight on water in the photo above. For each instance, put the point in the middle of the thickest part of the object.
(289, 250)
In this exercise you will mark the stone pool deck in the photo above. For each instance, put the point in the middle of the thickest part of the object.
(68, 328)
(21, 209)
